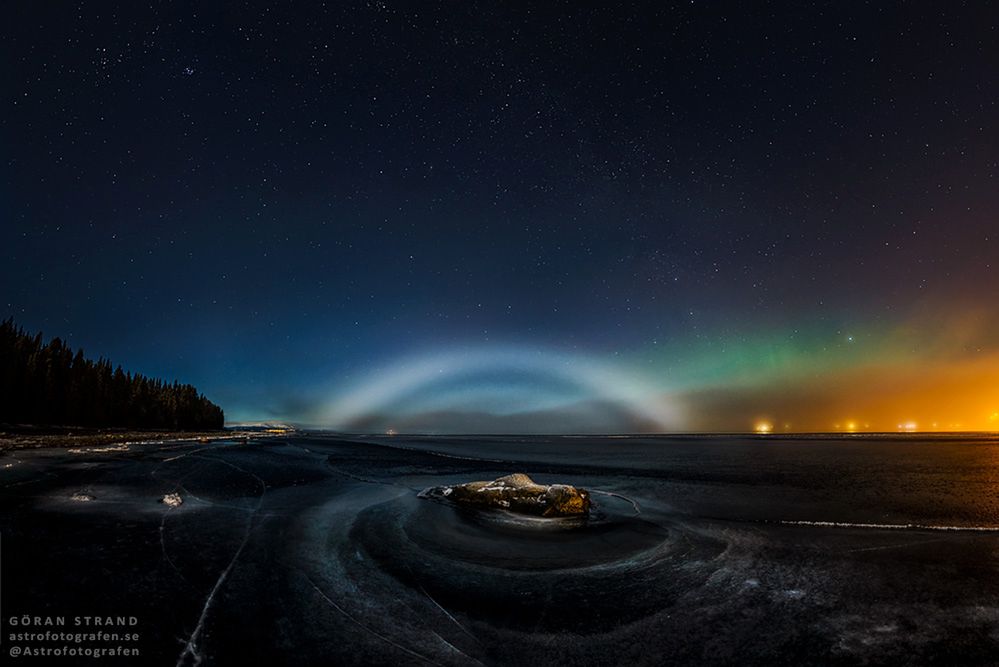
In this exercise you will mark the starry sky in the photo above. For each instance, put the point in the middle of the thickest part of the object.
(516, 217)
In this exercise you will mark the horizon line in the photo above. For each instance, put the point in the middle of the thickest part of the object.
(619, 434)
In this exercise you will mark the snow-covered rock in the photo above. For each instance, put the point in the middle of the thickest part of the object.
(517, 493)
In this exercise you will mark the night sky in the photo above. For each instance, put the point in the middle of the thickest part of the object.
(516, 217)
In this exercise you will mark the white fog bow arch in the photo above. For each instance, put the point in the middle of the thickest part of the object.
(600, 380)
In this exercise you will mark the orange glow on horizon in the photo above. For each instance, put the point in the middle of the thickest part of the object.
(764, 427)
(900, 397)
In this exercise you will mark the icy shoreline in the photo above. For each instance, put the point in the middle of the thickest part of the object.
(94, 440)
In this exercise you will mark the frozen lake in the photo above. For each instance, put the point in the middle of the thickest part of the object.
(314, 549)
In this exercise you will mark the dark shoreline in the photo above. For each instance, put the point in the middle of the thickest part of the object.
(16, 438)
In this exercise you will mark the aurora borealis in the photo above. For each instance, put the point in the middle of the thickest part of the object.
(518, 218)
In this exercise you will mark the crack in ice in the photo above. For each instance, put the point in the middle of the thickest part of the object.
(191, 645)
(363, 626)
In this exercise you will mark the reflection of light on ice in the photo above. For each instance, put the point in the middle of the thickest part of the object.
(890, 526)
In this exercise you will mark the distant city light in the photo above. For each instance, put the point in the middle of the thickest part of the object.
(764, 427)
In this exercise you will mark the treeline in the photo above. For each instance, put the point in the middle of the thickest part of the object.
(52, 385)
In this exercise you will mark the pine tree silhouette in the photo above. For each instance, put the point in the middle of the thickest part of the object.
(50, 384)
